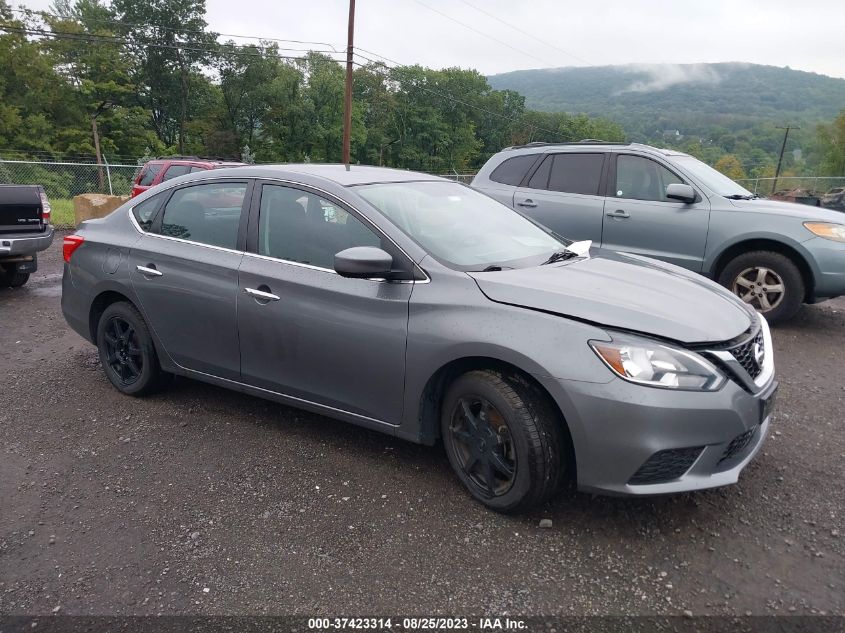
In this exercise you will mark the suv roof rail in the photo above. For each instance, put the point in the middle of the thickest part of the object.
(586, 141)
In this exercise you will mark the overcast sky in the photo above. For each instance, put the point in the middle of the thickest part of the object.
(808, 35)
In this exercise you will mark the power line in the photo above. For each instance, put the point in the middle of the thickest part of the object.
(218, 49)
(482, 33)
(519, 30)
(175, 29)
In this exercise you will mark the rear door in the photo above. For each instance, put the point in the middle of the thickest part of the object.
(185, 273)
(563, 193)
(307, 332)
(504, 179)
(640, 219)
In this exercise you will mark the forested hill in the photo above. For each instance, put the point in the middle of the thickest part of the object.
(692, 98)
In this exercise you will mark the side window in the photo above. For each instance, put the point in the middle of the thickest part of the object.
(175, 170)
(145, 212)
(195, 169)
(540, 178)
(576, 173)
(513, 170)
(302, 227)
(639, 178)
(208, 214)
(149, 173)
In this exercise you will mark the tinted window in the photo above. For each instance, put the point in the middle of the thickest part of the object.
(195, 169)
(639, 178)
(540, 178)
(576, 173)
(513, 170)
(145, 212)
(149, 173)
(176, 170)
(301, 227)
(209, 214)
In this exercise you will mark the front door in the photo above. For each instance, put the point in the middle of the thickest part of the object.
(307, 332)
(185, 273)
(640, 219)
(564, 195)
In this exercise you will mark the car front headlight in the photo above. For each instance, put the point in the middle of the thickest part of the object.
(827, 230)
(658, 365)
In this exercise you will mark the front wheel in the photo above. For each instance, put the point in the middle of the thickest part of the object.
(504, 440)
(127, 352)
(768, 281)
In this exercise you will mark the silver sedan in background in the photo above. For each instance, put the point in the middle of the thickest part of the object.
(421, 308)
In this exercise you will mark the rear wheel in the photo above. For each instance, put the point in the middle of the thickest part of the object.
(127, 352)
(768, 281)
(14, 279)
(504, 440)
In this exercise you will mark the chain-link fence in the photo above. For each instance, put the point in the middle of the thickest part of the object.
(65, 180)
(813, 184)
(464, 178)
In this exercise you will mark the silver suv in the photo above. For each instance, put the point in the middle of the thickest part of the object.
(670, 206)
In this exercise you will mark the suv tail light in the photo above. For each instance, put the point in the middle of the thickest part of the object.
(70, 244)
(45, 208)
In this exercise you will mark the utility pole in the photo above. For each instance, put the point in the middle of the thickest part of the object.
(782, 148)
(347, 101)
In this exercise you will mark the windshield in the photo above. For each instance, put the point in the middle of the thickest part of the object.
(461, 227)
(714, 180)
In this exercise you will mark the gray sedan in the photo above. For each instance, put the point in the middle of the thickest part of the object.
(421, 308)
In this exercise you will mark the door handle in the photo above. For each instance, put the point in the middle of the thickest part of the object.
(260, 294)
(527, 203)
(149, 270)
(619, 213)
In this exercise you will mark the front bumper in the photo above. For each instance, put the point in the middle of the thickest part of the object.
(617, 427)
(829, 259)
(18, 244)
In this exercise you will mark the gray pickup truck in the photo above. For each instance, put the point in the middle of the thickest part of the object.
(25, 230)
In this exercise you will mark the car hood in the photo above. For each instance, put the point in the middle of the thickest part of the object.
(624, 291)
(803, 212)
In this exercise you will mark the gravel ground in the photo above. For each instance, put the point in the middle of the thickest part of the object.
(205, 501)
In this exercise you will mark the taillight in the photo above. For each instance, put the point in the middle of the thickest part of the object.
(70, 244)
(45, 208)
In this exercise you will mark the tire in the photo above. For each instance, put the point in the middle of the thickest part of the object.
(127, 352)
(743, 277)
(519, 428)
(14, 279)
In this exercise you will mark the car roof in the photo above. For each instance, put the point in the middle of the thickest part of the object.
(345, 176)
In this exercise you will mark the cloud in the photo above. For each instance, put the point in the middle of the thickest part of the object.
(663, 76)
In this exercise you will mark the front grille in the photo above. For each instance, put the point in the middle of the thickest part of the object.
(745, 354)
(738, 444)
(666, 465)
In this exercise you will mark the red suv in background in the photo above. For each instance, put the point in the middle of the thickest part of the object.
(160, 169)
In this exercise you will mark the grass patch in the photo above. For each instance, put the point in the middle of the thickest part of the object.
(61, 215)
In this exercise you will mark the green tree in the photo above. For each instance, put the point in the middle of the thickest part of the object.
(831, 143)
(731, 167)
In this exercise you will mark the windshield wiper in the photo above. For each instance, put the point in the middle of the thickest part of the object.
(559, 256)
(492, 268)
(739, 196)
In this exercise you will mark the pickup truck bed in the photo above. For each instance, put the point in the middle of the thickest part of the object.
(24, 231)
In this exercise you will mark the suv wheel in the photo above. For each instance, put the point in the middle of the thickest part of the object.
(14, 279)
(503, 440)
(127, 352)
(769, 281)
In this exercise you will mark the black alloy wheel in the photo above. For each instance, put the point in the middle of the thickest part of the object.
(484, 445)
(123, 350)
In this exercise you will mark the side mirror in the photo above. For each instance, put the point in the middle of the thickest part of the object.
(363, 262)
(684, 193)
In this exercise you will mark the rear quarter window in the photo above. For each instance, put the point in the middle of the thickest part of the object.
(145, 212)
(148, 174)
(513, 170)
